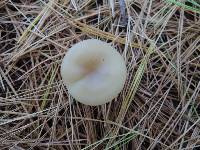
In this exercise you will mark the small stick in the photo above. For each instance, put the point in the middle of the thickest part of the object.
(122, 5)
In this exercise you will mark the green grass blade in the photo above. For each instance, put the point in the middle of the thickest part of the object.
(186, 7)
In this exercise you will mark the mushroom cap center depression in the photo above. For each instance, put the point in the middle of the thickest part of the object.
(90, 65)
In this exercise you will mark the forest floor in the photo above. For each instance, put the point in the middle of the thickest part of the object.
(159, 107)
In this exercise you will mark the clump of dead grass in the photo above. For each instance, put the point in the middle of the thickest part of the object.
(159, 106)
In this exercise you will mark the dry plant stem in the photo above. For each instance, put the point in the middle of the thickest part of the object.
(88, 29)
(130, 97)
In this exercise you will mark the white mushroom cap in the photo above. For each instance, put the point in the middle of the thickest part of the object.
(94, 72)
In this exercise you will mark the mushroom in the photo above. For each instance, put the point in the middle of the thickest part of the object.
(93, 72)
